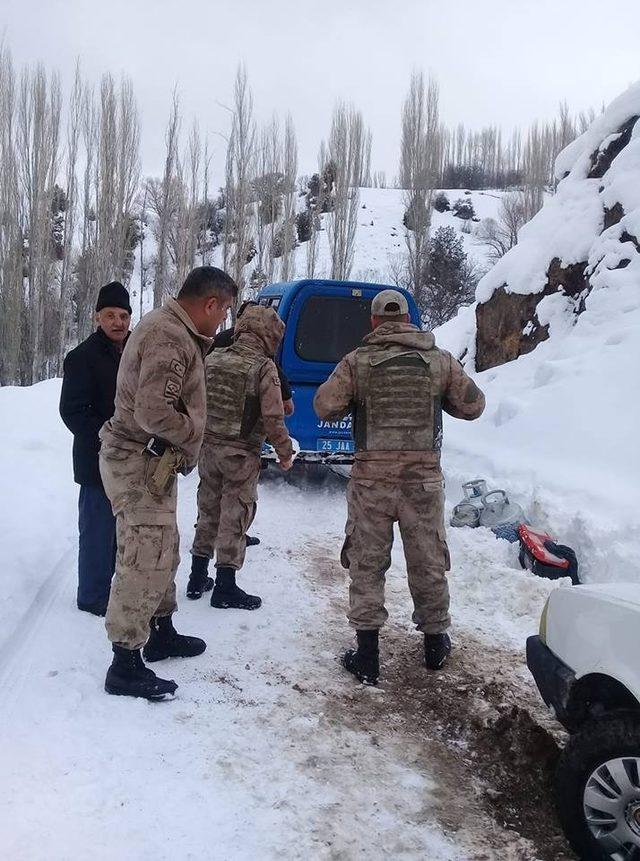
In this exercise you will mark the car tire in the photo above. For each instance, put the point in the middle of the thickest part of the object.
(600, 741)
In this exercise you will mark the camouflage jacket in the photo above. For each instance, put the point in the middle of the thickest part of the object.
(259, 332)
(160, 391)
(459, 397)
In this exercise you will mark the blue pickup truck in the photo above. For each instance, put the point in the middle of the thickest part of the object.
(325, 321)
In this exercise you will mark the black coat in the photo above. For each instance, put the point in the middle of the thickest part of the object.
(225, 339)
(87, 400)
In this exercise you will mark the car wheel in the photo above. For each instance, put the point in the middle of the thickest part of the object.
(598, 788)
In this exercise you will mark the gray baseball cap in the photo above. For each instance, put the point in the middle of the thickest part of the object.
(389, 303)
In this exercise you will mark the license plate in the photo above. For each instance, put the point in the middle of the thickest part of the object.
(335, 445)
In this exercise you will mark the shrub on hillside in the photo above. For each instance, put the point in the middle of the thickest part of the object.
(463, 209)
(304, 225)
(441, 202)
(449, 280)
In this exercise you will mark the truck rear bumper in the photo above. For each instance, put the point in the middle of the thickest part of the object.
(328, 457)
(553, 677)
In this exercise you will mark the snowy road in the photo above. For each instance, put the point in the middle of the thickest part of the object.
(270, 750)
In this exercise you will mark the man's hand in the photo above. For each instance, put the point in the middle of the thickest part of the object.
(286, 464)
(289, 407)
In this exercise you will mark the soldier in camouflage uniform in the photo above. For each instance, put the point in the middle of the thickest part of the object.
(156, 432)
(396, 384)
(244, 407)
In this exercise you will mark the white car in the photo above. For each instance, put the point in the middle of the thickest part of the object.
(586, 663)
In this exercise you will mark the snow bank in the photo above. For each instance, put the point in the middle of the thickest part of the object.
(39, 500)
(560, 428)
(561, 424)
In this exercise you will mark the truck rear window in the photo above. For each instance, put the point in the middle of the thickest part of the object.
(329, 327)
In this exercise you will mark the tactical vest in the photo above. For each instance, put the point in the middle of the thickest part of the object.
(398, 405)
(233, 395)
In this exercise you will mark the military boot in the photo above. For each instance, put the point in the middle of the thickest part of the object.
(127, 676)
(165, 642)
(437, 648)
(226, 595)
(364, 662)
(199, 581)
(251, 541)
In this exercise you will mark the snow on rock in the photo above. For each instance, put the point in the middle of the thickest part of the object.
(585, 239)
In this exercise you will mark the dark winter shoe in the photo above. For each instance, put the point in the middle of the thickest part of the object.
(127, 676)
(199, 581)
(165, 642)
(226, 595)
(94, 609)
(437, 648)
(251, 541)
(364, 662)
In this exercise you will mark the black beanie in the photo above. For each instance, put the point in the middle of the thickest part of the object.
(113, 295)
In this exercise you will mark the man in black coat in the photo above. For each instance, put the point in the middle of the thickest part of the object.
(86, 403)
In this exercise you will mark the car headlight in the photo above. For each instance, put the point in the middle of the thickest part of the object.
(543, 622)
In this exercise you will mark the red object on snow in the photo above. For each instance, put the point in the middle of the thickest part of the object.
(535, 542)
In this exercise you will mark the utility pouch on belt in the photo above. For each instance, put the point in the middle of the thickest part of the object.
(163, 469)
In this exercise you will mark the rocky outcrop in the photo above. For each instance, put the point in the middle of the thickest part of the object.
(507, 325)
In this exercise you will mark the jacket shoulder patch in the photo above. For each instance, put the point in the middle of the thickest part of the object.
(172, 388)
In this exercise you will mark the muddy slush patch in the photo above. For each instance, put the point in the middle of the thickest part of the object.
(480, 728)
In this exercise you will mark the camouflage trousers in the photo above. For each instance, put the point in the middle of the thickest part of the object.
(418, 508)
(227, 498)
(148, 545)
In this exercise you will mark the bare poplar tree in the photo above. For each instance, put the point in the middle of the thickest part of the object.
(87, 274)
(267, 188)
(184, 233)
(39, 107)
(74, 131)
(162, 197)
(203, 243)
(143, 216)
(536, 171)
(419, 160)
(316, 213)
(238, 238)
(11, 239)
(110, 133)
(290, 165)
(346, 153)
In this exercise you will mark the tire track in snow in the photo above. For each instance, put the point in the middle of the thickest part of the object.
(19, 652)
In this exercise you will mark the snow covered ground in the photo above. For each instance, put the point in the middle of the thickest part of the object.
(270, 749)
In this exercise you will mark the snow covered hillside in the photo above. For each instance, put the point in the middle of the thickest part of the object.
(380, 235)
(561, 425)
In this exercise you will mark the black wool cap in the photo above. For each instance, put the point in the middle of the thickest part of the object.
(113, 295)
